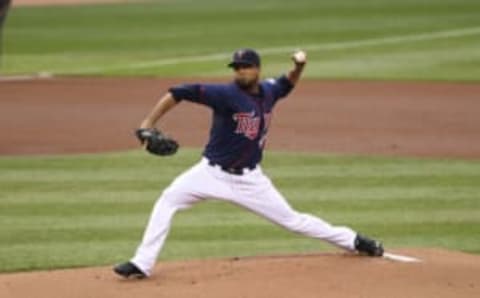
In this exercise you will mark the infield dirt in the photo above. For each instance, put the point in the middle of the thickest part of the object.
(441, 274)
(78, 115)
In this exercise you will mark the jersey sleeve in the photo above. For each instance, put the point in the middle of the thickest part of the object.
(209, 95)
(281, 86)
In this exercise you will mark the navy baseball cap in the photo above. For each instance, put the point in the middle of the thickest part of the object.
(245, 56)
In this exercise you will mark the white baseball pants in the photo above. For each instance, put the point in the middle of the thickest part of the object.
(253, 191)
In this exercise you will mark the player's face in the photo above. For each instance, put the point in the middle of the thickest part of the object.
(246, 76)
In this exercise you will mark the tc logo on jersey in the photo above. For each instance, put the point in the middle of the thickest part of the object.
(247, 124)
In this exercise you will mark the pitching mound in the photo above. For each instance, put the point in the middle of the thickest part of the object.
(440, 274)
(77, 115)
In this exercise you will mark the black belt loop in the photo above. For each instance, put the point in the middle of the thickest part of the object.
(233, 171)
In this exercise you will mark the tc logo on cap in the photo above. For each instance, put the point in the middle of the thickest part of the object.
(245, 56)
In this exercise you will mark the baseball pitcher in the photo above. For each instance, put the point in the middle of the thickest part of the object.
(230, 167)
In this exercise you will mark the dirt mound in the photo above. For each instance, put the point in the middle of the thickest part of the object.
(440, 274)
(76, 115)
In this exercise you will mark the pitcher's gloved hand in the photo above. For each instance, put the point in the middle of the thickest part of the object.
(156, 142)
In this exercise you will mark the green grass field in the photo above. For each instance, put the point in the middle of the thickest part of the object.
(91, 209)
(142, 39)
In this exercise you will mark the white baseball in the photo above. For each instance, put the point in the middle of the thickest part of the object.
(300, 57)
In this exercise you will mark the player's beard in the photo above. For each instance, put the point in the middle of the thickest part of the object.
(247, 84)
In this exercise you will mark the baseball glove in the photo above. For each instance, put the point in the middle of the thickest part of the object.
(156, 142)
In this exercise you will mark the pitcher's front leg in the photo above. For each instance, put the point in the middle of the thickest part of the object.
(158, 227)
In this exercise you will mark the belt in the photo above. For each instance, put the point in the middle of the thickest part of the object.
(233, 171)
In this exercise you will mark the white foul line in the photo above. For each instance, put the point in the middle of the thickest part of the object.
(20, 78)
(287, 49)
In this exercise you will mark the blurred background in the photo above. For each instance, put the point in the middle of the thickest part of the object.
(372, 39)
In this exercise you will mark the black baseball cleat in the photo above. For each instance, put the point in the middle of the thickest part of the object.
(129, 269)
(367, 246)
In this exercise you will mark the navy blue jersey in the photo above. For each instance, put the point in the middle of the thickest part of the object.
(240, 119)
